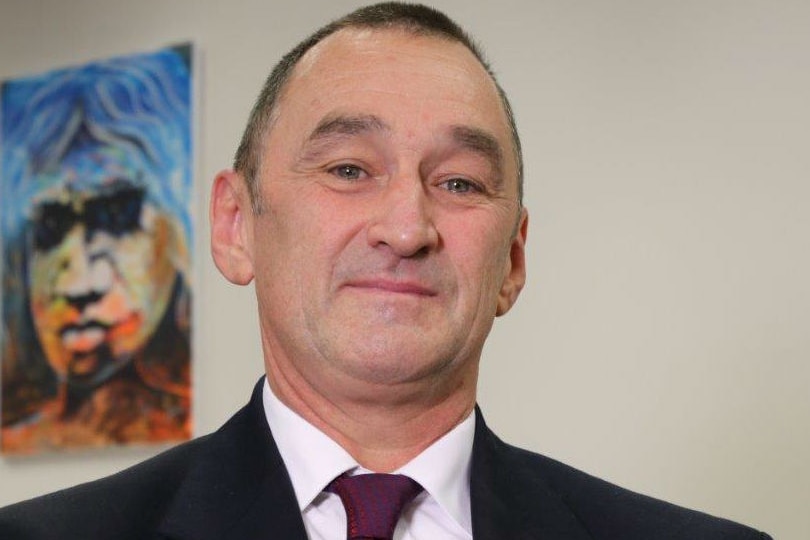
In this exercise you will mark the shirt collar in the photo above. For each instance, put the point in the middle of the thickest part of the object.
(311, 457)
(443, 469)
(313, 460)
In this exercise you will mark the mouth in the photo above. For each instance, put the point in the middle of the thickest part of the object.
(408, 288)
(84, 337)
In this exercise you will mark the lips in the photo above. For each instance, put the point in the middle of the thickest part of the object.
(83, 337)
(392, 286)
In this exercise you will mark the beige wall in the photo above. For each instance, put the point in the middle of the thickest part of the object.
(663, 341)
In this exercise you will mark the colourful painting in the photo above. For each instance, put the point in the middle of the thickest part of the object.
(95, 195)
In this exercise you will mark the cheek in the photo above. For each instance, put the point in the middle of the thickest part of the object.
(47, 308)
(162, 243)
(133, 284)
(303, 239)
(38, 276)
(50, 312)
(143, 265)
(49, 318)
(129, 335)
(142, 290)
(483, 261)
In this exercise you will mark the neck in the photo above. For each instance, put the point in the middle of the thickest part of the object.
(382, 426)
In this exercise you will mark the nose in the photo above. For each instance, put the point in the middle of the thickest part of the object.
(82, 275)
(403, 221)
(81, 301)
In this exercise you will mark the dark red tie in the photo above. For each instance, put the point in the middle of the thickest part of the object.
(373, 503)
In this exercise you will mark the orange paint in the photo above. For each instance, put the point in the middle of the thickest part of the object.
(125, 328)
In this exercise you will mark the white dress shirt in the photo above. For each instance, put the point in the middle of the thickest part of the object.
(313, 460)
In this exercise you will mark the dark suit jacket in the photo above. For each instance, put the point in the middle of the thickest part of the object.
(232, 484)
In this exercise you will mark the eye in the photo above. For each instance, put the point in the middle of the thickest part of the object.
(347, 172)
(460, 185)
(118, 213)
(52, 225)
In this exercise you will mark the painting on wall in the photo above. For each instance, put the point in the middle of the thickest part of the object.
(96, 235)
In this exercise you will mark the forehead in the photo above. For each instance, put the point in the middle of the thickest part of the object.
(413, 82)
(85, 171)
(91, 166)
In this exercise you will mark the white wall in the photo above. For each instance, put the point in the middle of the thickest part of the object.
(663, 341)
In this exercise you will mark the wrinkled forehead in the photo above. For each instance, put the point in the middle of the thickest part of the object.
(398, 71)
(390, 50)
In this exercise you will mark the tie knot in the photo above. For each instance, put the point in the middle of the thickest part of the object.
(374, 502)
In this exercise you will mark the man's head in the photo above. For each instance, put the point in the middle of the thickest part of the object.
(416, 19)
(390, 232)
(98, 162)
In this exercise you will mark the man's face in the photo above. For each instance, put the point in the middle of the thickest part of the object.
(100, 278)
(386, 242)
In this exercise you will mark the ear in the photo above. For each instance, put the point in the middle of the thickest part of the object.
(516, 273)
(230, 215)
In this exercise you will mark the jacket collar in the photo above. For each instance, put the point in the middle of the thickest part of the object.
(511, 498)
(237, 487)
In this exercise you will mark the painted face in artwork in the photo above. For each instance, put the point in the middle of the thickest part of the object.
(100, 272)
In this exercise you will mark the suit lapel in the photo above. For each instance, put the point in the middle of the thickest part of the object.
(237, 487)
(511, 499)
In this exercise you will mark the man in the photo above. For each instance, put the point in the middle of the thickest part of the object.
(376, 203)
(97, 175)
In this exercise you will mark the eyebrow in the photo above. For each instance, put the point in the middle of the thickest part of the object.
(484, 143)
(339, 124)
(334, 127)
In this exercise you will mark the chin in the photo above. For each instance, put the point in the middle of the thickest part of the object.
(394, 366)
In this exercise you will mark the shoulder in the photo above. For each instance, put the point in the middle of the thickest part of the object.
(604, 510)
(124, 505)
